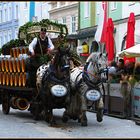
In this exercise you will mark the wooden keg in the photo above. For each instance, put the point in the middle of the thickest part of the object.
(11, 79)
(2, 64)
(16, 76)
(14, 65)
(10, 65)
(6, 65)
(18, 65)
(20, 80)
(24, 79)
(4, 78)
(7, 79)
(23, 65)
(1, 78)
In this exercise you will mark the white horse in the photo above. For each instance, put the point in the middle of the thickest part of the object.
(81, 79)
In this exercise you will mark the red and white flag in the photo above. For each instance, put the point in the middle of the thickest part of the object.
(101, 28)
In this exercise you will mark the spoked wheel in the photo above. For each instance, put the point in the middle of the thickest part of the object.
(6, 103)
(99, 115)
(36, 111)
(65, 118)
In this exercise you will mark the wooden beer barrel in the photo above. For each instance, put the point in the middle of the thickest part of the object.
(7, 79)
(16, 79)
(2, 64)
(10, 65)
(20, 80)
(24, 79)
(14, 65)
(18, 65)
(4, 78)
(6, 65)
(11, 79)
(1, 78)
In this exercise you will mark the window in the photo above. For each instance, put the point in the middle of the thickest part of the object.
(16, 33)
(113, 6)
(98, 8)
(56, 21)
(131, 3)
(54, 5)
(62, 3)
(1, 16)
(25, 5)
(9, 36)
(5, 38)
(64, 20)
(16, 14)
(86, 9)
(0, 41)
(34, 18)
(73, 24)
(10, 13)
(5, 14)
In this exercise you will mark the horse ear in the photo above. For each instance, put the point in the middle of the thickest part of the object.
(101, 54)
(68, 49)
(106, 54)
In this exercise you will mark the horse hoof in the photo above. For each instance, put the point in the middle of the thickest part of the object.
(65, 119)
(74, 118)
(84, 124)
(36, 118)
(53, 123)
(100, 115)
(79, 120)
(99, 119)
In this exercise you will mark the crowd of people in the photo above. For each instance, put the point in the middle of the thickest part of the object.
(121, 70)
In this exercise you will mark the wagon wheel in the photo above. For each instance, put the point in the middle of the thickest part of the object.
(5, 103)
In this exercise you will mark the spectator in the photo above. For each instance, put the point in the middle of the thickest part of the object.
(112, 71)
(120, 69)
(129, 67)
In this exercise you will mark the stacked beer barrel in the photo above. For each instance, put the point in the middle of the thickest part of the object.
(12, 68)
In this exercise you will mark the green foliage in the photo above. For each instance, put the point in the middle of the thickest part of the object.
(75, 58)
(0, 51)
(43, 23)
(44, 59)
(12, 44)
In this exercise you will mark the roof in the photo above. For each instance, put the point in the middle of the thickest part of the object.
(83, 33)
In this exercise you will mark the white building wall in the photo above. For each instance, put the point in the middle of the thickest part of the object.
(120, 32)
(67, 10)
(41, 10)
(23, 13)
(121, 29)
(131, 6)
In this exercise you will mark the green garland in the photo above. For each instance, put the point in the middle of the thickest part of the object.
(43, 23)
(12, 44)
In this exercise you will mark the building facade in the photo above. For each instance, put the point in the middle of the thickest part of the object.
(9, 21)
(87, 21)
(15, 14)
(118, 11)
(65, 13)
(40, 11)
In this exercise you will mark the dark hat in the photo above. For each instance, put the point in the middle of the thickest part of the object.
(43, 29)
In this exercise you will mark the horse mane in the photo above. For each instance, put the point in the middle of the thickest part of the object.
(94, 56)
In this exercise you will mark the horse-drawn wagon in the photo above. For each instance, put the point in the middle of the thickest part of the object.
(16, 90)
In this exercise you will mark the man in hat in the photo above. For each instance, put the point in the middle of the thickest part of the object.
(39, 48)
(41, 45)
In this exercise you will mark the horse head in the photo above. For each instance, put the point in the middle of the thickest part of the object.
(60, 62)
(94, 64)
(58, 66)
